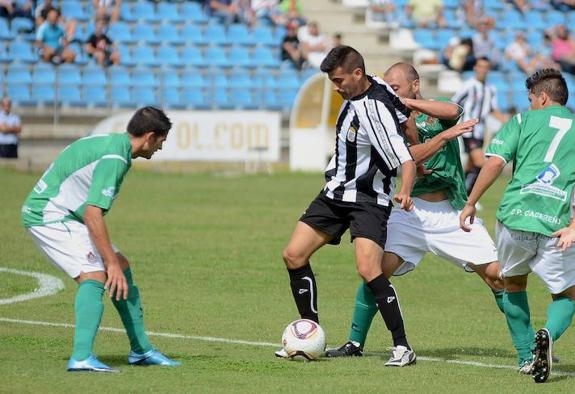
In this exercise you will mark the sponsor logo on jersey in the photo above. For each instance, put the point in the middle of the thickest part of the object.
(109, 192)
(497, 141)
(40, 187)
(536, 215)
(351, 134)
(543, 186)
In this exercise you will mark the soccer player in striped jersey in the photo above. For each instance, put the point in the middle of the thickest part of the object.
(64, 214)
(535, 228)
(359, 189)
(438, 195)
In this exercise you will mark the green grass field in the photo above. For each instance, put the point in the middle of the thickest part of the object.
(206, 254)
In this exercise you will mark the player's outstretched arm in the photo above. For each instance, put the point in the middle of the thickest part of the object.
(116, 282)
(436, 109)
(488, 174)
(422, 152)
(403, 198)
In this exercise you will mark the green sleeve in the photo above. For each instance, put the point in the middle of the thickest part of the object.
(505, 142)
(106, 181)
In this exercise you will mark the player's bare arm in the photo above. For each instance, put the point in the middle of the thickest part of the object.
(422, 152)
(436, 109)
(407, 178)
(566, 236)
(116, 281)
(489, 173)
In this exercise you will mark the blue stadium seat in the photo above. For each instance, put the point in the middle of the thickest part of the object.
(264, 57)
(222, 100)
(244, 99)
(194, 35)
(279, 34)
(289, 79)
(69, 74)
(287, 98)
(195, 98)
(170, 79)
(144, 56)
(443, 36)
(263, 35)
(121, 98)
(555, 18)
(5, 33)
(451, 3)
(44, 74)
(216, 57)
(520, 100)
(194, 79)
(168, 56)
(270, 100)
(307, 73)
(70, 95)
(145, 11)
(513, 20)
(43, 93)
(241, 80)
(216, 34)
(240, 57)
(95, 95)
(74, 10)
(120, 32)
(120, 77)
(171, 98)
(494, 4)
(94, 75)
(220, 81)
(193, 12)
(426, 38)
(535, 20)
(19, 25)
(267, 80)
(193, 57)
(144, 78)
(19, 93)
(169, 12)
(144, 96)
(126, 13)
(23, 52)
(126, 58)
(19, 74)
(170, 34)
(145, 33)
(238, 34)
(4, 56)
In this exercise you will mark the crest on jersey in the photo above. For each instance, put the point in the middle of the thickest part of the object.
(543, 185)
(548, 175)
(351, 134)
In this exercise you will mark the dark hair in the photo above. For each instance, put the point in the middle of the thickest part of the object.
(345, 57)
(482, 58)
(550, 81)
(148, 119)
(408, 69)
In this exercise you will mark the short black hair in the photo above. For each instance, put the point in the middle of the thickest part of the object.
(550, 81)
(148, 119)
(482, 58)
(345, 57)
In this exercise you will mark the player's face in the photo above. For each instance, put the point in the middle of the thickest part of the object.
(345, 83)
(152, 144)
(398, 81)
(481, 68)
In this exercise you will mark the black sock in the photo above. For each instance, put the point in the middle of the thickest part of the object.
(304, 290)
(388, 305)
(471, 178)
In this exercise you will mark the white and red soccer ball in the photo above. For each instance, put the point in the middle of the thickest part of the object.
(304, 339)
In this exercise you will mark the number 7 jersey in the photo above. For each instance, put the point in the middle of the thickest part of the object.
(542, 145)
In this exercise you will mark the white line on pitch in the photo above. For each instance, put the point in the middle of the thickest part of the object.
(266, 344)
(47, 285)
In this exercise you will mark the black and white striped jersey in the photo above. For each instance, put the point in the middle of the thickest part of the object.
(478, 101)
(368, 147)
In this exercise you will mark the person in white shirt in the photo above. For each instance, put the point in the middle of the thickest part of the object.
(10, 127)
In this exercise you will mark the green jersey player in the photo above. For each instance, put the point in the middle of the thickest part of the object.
(433, 224)
(64, 214)
(535, 229)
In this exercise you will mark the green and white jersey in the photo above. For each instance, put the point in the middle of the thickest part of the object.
(542, 145)
(87, 172)
(447, 172)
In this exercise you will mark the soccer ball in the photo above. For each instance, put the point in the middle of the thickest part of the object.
(304, 339)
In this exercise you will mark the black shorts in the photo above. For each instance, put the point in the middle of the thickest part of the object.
(9, 151)
(471, 143)
(364, 220)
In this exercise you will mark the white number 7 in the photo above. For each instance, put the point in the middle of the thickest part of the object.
(563, 125)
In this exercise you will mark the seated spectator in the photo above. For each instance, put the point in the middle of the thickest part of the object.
(101, 47)
(563, 49)
(563, 5)
(381, 11)
(263, 9)
(287, 11)
(520, 52)
(426, 12)
(336, 40)
(41, 14)
(11, 9)
(109, 10)
(291, 47)
(483, 45)
(52, 41)
(230, 11)
(458, 55)
(10, 127)
(314, 44)
(521, 5)
(474, 12)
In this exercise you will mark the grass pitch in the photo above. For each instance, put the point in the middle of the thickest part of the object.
(206, 255)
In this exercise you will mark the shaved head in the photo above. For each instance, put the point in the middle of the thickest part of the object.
(403, 79)
(410, 72)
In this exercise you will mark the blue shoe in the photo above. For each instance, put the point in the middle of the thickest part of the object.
(152, 357)
(91, 364)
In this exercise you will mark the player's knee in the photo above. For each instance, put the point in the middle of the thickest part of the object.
(293, 259)
(368, 271)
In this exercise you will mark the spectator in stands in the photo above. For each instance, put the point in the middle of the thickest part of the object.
(520, 52)
(101, 47)
(109, 10)
(426, 12)
(12, 9)
(41, 14)
(381, 11)
(287, 11)
(563, 49)
(483, 45)
(521, 5)
(458, 55)
(52, 40)
(263, 9)
(291, 47)
(10, 127)
(473, 12)
(336, 40)
(230, 11)
(563, 5)
(314, 44)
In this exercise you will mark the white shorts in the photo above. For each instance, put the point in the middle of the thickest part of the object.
(522, 252)
(434, 227)
(69, 247)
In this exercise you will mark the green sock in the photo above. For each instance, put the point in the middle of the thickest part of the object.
(559, 315)
(88, 309)
(516, 308)
(363, 314)
(130, 311)
(498, 294)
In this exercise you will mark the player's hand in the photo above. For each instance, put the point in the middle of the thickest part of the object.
(566, 238)
(422, 171)
(460, 129)
(404, 200)
(406, 101)
(467, 212)
(116, 283)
